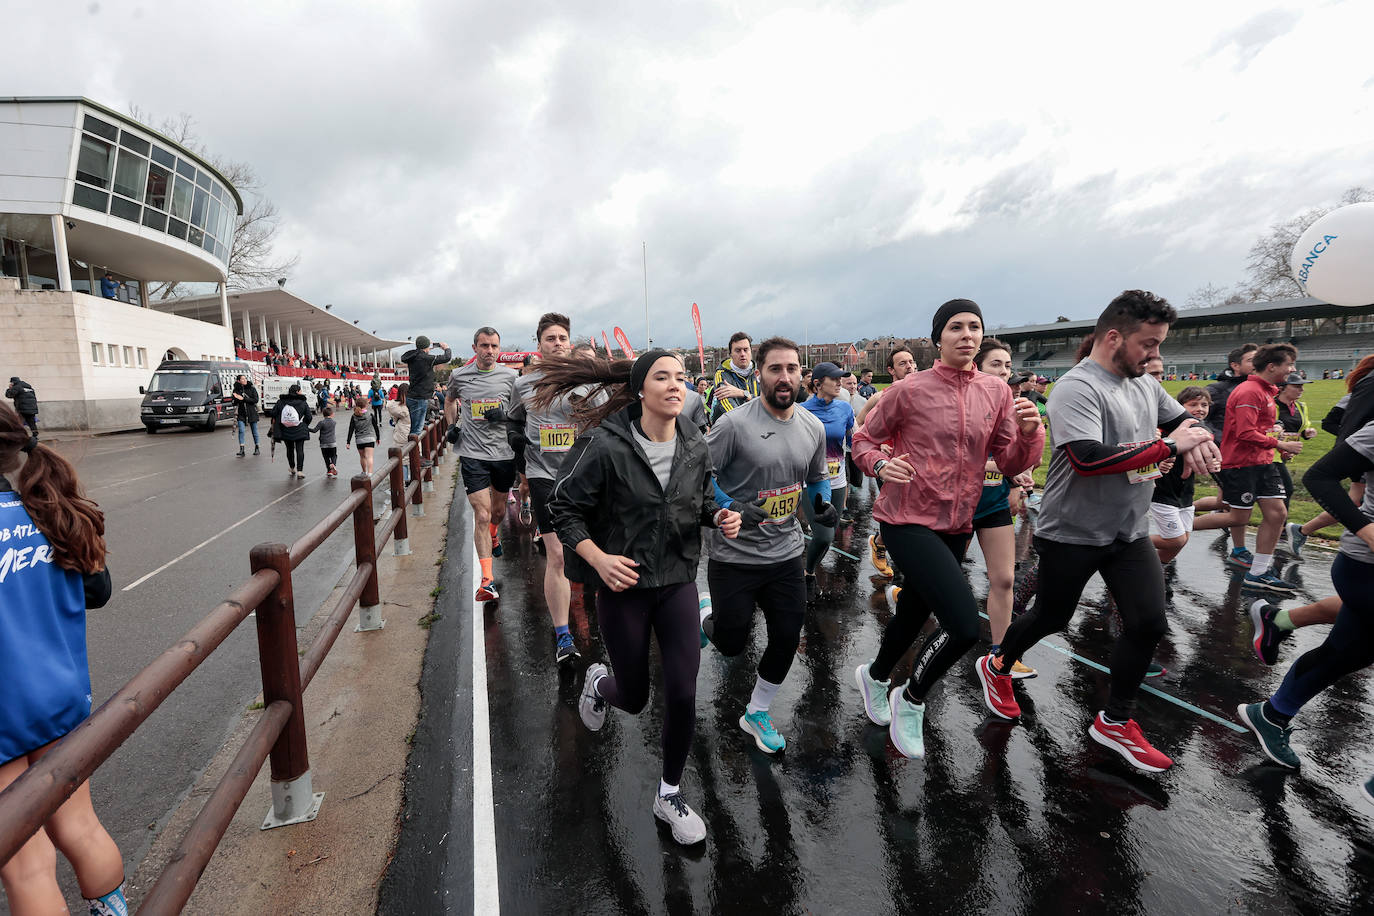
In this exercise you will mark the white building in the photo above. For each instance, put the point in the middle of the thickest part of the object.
(84, 191)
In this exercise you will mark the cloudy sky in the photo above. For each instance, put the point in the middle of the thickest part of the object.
(825, 168)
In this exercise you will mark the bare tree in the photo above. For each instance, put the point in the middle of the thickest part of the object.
(1206, 296)
(252, 260)
(1269, 274)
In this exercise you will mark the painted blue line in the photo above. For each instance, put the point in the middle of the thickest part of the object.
(836, 549)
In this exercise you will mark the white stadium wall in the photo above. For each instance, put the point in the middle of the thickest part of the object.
(46, 338)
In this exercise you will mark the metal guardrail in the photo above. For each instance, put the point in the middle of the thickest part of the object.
(280, 731)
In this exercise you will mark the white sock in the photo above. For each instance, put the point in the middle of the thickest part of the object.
(664, 790)
(704, 611)
(1260, 565)
(763, 695)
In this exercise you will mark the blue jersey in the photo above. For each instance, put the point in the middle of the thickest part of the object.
(996, 490)
(42, 637)
(838, 418)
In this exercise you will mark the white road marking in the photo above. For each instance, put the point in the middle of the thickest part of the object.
(486, 892)
(168, 565)
(180, 467)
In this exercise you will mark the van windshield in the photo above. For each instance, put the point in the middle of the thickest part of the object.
(180, 380)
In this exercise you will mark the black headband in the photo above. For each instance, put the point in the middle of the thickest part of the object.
(640, 371)
(29, 446)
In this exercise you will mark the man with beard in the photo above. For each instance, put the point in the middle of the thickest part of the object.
(481, 392)
(767, 455)
(1094, 517)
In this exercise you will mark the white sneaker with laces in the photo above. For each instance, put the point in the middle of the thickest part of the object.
(688, 827)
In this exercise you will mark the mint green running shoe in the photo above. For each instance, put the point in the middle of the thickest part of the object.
(907, 730)
(874, 693)
(759, 726)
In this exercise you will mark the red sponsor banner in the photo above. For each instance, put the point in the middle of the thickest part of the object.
(610, 351)
(701, 348)
(624, 342)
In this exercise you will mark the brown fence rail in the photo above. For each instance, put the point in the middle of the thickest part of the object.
(280, 731)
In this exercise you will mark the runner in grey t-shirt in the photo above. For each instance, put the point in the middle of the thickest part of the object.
(1093, 518)
(479, 396)
(768, 455)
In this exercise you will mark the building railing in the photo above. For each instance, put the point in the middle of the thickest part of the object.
(279, 734)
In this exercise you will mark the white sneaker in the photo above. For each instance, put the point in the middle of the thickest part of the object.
(673, 810)
(592, 706)
(874, 692)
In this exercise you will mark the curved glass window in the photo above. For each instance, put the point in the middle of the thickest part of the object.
(156, 194)
(181, 198)
(137, 144)
(149, 182)
(199, 205)
(130, 175)
(93, 162)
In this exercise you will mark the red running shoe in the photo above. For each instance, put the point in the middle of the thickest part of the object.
(487, 591)
(1127, 741)
(997, 690)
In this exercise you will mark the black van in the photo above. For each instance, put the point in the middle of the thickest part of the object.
(195, 393)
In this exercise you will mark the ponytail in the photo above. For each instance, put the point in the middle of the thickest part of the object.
(561, 375)
(51, 493)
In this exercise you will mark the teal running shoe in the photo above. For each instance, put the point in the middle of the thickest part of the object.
(907, 730)
(1273, 738)
(759, 726)
(874, 693)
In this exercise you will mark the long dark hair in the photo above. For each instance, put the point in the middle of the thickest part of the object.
(51, 493)
(562, 375)
(987, 346)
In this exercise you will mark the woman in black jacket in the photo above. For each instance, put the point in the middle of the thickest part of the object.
(246, 410)
(630, 501)
(293, 434)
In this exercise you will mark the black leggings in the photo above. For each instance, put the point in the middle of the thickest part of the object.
(1349, 646)
(295, 454)
(777, 588)
(1136, 582)
(626, 619)
(822, 536)
(939, 589)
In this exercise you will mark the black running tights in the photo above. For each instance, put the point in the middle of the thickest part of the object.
(1349, 646)
(1136, 582)
(939, 589)
(626, 620)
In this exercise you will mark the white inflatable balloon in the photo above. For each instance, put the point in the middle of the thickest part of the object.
(1334, 259)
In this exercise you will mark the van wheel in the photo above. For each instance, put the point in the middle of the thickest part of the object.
(210, 422)
(150, 429)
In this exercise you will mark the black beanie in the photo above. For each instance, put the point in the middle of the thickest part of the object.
(640, 371)
(947, 311)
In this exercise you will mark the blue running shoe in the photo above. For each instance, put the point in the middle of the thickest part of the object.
(567, 649)
(907, 730)
(1268, 582)
(704, 609)
(1296, 539)
(759, 726)
(1273, 738)
(1368, 789)
(1241, 557)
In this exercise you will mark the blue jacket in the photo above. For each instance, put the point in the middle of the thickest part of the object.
(42, 635)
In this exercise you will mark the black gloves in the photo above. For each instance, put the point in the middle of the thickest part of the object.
(493, 415)
(455, 432)
(825, 513)
(751, 514)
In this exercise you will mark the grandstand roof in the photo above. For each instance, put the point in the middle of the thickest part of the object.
(1306, 307)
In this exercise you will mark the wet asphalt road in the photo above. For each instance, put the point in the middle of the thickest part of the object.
(999, 817)
(163, 496)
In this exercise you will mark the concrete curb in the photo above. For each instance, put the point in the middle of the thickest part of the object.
(360, 715)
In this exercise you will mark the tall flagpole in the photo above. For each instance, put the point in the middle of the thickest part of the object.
(644, 250)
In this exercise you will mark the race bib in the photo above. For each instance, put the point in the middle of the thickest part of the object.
(780, 503)
(1149, 472)
(992, 478)
(482, 406)
(553, 438)
(833, 468)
